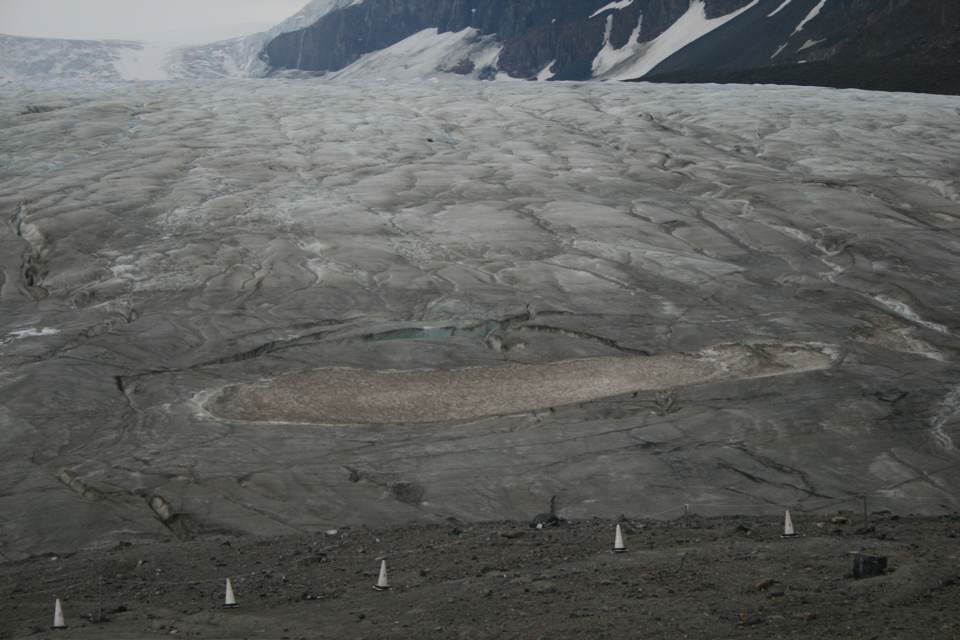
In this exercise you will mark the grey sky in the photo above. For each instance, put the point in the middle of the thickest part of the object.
(132, 19)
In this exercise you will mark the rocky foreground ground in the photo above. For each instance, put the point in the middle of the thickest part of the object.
(733, 577)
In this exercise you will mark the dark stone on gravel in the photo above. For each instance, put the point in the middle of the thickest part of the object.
(868, 566)
(544, 519)
(765, 584)
(407, 492)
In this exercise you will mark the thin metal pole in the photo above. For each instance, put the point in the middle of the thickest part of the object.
(686, 515)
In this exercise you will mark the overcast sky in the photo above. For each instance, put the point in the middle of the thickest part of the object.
(133, 19)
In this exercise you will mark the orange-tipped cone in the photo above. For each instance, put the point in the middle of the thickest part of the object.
(229, 600)
(58, 622)
(788, 531)
(618, 545)
(382, 582)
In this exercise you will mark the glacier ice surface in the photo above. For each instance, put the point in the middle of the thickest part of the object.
(164, 240)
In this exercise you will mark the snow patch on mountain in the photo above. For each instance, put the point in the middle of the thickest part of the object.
(547, 72)
(620, 4)
(779, 9)
(810, 43)
(609, 56)
(426, 54)
(636, 60)
(810, 16)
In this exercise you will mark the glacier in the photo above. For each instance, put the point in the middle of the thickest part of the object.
(215, 51)
(750, 293)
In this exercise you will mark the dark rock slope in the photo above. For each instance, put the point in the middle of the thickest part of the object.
(341, 37)
(533, 33)
(569, 34)
(856, 37)
(907, 46)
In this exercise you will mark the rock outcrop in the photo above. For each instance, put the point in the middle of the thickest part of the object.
(806, 30)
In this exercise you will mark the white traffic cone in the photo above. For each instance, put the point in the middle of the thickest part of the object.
(382, 583)
(229, 600)
(58, 622)
(618, 545)
(788, 531)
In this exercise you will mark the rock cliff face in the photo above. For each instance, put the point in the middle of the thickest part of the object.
(568, 39)
(924, 30)
(808, 30)
(533, 31)
(566, 33)
(899, 45)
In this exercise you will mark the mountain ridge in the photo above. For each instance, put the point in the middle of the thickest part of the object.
(894, 45)
(569, 41)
